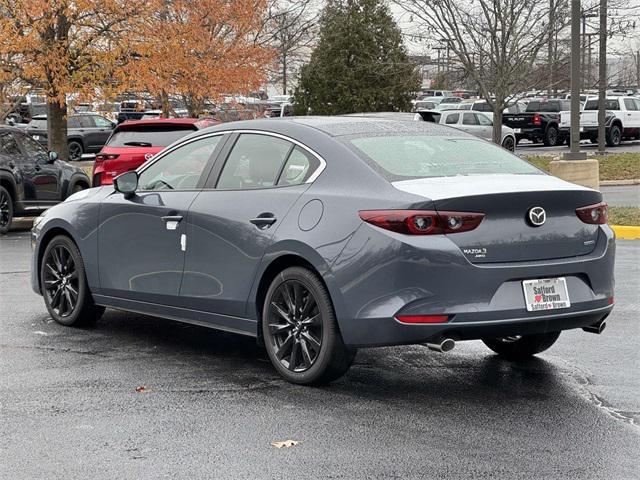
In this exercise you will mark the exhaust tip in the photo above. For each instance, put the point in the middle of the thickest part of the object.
(443, 346)
(596, 328)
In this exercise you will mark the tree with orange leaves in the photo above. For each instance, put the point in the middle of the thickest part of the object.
(67, 47)
(200, 49)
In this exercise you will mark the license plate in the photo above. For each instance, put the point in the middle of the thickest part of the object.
(546, 294)
(36, 137)
(517, 130)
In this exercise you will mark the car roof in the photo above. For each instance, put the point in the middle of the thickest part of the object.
(338, 126)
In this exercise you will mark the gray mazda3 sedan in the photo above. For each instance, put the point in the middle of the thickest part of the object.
(319, 235)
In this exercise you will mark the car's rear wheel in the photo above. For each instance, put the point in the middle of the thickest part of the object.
(614, 136)
(521, 346)
(300, 330)
(64, 284)
(75, 151)
(6, 211)
(551, 137)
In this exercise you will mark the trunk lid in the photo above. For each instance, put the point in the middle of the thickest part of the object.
(507, 234)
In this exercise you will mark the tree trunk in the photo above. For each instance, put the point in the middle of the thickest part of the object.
(284, 74)
(497, 126)
(166, 106)
(57, 128)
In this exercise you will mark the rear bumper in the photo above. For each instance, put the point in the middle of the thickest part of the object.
(388, 331)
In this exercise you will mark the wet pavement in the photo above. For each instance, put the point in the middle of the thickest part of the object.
(211, 403)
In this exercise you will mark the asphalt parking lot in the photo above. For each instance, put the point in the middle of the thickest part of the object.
(211, 403)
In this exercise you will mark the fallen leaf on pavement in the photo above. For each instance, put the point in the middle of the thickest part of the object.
(285, 443)
(142, 389)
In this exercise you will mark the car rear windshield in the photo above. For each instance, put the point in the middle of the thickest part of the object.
(551, 106)
(420, 156)
(156, 136)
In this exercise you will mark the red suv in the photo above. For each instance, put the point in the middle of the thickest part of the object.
(133, 142)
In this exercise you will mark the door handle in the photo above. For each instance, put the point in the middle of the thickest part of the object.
(264, 220)
(172, 221)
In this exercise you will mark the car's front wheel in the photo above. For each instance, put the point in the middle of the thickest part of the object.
(509, 143)
(64, 284)
(6, 211)
(520, 347)
(300, 331)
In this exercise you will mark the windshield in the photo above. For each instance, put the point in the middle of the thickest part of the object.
(152, 136)
(418, 156)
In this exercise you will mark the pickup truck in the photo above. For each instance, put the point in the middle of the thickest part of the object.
(539, 122)
(622, 120)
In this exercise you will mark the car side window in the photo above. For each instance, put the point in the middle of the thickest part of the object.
(32, 149)
(73, 122)
(630, 104)
(484, 121)
(469, 119)
(101, 121)
(254, 162)
(452, 119)
(8, 145)
(299, 167)
(86, 121)
(181, 168)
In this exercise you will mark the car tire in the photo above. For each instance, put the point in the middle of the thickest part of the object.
(300, 330)
(614, 136)
(64, 284)
(509, 144)
(6, 210)
(522, 346)
(75, 151)
(551, 137)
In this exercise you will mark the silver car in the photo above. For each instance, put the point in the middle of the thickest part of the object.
(478, 124)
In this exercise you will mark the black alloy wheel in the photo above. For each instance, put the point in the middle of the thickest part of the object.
(6, 210)
(551, 138)
(60, 281)
(75, 151)
(295, 326)
(300, 330)
(64, 285)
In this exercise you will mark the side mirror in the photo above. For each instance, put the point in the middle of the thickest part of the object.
(126, 183)
(53, 156)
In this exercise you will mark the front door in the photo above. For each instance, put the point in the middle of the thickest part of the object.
(141, 240)
(41, 178)
(232, 222)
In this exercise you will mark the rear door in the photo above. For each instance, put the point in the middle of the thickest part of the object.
(141, 240)
(632, 114)
(232, 221)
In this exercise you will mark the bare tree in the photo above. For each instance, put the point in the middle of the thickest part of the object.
(495, 42)
(289, 29)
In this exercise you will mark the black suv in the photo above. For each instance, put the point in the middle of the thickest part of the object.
(86, 133)
(32, 180)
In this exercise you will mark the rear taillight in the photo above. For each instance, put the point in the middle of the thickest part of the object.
(537, 120)
(593, 214)
(418, 222)
(102, 157)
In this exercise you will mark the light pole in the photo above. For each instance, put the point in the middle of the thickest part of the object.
(574, 153)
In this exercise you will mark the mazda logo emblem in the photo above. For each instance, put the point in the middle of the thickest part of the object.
(537, 216)
(148, 156)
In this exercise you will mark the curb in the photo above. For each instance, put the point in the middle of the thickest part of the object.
(624, 232)
(613, 183)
